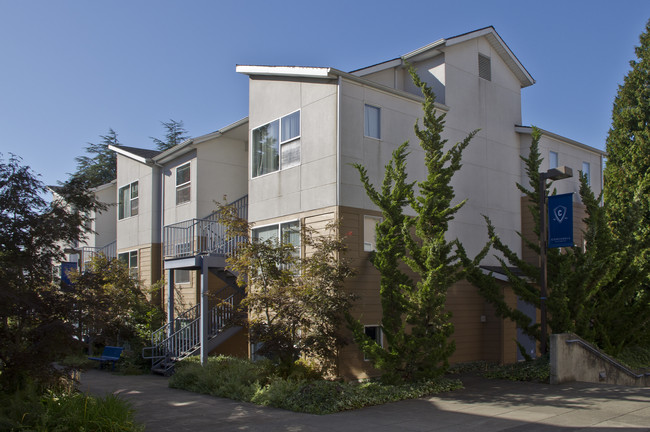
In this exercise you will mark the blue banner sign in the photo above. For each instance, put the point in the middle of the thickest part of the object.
(560, 220)
(66, 268)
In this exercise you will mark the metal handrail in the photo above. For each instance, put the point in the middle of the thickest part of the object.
(199, 236)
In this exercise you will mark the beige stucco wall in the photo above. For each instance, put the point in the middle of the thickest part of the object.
(144, 228)
(312, 184)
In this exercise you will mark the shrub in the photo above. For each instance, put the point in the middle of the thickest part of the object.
(30, 409)
(261, 383)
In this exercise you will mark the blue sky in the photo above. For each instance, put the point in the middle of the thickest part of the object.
(70, 70)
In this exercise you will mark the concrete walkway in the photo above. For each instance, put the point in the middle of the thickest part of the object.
(484, 405)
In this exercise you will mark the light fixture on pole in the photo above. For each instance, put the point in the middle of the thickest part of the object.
(552, 174)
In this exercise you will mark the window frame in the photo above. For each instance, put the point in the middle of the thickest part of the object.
(550, 159)
(183, 282)
(125, 207)
(587, 172)
(379, 337)
(133, 270)
(366, 128)
(280, 144)
(186, 185)
(278, 226)
(373, 245)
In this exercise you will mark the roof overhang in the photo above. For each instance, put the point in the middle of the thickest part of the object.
(436, 48)
(528, 130)
(124, 152)
(288, 71)
(327, 73)
(190, 144)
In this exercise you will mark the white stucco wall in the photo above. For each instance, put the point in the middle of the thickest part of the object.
(312, 184)
(104, 222)
(144, 228)
(570, 155)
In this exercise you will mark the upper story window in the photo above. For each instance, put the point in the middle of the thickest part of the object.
(131, 260)
(370, 233)
(586, 171)
(128, 201)
(372, 121)
(552, 160)
(183, 184)
(484, 67)
(276, 145)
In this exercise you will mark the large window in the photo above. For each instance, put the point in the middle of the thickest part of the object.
(183, 184)
(586, 171)
(372, 122)
(128, 201)
(131, 260)
(276, 145)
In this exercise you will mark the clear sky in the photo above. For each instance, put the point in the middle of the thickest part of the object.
(70, 70)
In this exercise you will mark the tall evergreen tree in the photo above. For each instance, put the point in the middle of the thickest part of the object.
(415, 322)
(100, 165)
(175, 134)
(627, 173)
(592, 291)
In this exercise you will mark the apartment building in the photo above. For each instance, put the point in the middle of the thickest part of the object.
(290, 163)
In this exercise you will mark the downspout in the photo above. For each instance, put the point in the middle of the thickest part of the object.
(338, 142)
(162, 225)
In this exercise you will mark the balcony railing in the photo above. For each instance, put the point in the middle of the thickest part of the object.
(89, 252)
(201, 236)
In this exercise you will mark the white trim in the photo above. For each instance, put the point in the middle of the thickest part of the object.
(296, 71)
(528, 130)
(280, 144)
(378, 67)
(120, 150)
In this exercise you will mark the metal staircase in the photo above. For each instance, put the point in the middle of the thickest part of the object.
(185, 339)
(197, 244)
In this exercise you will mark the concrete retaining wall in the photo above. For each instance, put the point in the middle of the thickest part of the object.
(573, 359)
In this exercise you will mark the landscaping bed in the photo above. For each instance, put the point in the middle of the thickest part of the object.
(260, 383)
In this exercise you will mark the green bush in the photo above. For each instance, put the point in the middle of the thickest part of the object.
(538, 370)
(29, 409)
(261, 383)
(635, 357)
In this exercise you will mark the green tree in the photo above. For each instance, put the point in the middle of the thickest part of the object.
(627, 172)
(100, 165)
(110, 305)
(175, 134)
(415, 322)
(295, 303)
(34, 325)
(592, 290)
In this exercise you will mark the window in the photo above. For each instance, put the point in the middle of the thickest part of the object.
(181, 276)
(552, 160)
(374, 333)
(276, 145)
(128, 201)
(372, 124)
(484, 67)
(586, 171)
(370, 233)
(183, 184)
(287, 233)
(131, 260)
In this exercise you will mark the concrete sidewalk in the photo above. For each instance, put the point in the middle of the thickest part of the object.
(485, 405)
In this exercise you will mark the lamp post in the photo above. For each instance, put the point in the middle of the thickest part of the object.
(552, 174)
